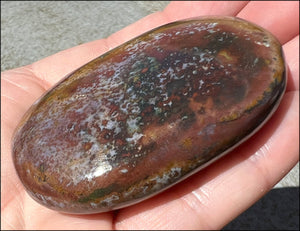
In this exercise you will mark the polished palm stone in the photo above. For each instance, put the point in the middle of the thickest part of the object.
(148, 114)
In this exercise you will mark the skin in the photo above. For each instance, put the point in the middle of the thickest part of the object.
(207, 200)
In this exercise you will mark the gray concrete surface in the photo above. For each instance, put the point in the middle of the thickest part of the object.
(33, 30)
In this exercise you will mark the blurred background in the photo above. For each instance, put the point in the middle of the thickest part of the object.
(32, 30)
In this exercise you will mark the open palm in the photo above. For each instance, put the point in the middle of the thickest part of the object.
(207, 200)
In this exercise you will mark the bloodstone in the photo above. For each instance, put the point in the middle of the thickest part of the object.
(148, 114)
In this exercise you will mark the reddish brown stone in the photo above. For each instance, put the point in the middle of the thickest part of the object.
(148, 113)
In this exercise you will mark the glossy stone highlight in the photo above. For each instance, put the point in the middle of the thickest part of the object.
(148, 114)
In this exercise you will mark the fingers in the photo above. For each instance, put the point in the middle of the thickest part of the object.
(214, 196)
(184, 9)
(279, 17)
(291, 51)
(174, 11)
(53, 68)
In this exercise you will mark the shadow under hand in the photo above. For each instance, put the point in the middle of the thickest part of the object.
(277, 210)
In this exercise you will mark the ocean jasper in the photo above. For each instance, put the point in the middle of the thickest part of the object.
(148, 114)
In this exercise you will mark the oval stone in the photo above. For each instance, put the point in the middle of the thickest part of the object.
(148, 114)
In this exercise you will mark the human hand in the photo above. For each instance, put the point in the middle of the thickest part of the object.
(207, 200)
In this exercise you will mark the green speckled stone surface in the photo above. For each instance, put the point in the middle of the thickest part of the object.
(148, 114)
